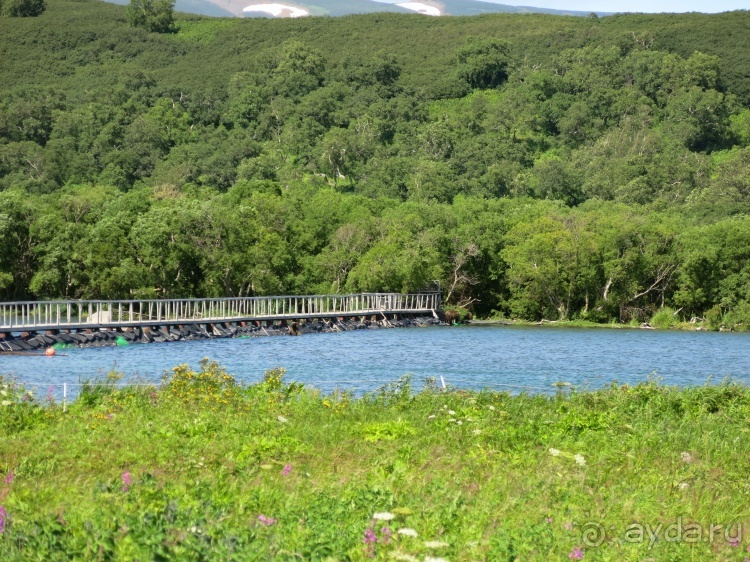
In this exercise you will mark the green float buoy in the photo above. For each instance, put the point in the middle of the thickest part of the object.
(121, 341)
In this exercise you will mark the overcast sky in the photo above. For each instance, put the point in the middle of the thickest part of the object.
(634, 5)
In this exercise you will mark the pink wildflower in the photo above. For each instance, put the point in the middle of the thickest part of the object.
(3, 517)
(577, 554)
(125, 481)
(267, 521)
(386, 532)
(568, 526)
(9, 479)
(370, 541)
(287, 470)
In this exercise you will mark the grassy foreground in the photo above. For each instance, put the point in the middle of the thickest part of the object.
(204, 468)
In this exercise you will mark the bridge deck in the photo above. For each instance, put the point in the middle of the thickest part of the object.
(98, 314)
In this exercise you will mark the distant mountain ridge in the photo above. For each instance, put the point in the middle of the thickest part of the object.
(282, 8)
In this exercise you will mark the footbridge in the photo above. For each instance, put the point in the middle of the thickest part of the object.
(123, 315)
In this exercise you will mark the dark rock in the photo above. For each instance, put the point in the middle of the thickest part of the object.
(35, 342)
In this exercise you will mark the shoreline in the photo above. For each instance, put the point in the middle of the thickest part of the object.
(681, 327)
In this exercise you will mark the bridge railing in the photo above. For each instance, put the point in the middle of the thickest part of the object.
(33, 315)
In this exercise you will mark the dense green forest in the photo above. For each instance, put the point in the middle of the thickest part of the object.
(536, 166)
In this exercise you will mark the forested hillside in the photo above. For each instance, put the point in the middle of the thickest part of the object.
(538, 166)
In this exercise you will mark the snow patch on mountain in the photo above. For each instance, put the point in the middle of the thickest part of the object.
(420, 8)
(278, 10)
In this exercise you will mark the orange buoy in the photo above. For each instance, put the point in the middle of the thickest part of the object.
(50, 351)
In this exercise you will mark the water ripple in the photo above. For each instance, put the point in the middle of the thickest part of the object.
(468, 357)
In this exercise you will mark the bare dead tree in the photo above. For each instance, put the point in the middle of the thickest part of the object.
(663, 276)
(460, 278)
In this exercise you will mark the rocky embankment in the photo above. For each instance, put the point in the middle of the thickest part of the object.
(101, 338)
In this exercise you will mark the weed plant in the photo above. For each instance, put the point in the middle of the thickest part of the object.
(205, 468)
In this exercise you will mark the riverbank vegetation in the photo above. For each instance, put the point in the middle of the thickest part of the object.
(202, 467)
(532, 167)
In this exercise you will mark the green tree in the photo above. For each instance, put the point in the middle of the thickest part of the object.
(152, 15)
(483, 63)
(22, 8)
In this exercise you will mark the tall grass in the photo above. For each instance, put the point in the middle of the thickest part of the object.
(202, 467)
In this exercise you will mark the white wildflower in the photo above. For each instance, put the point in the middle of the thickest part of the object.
(445, 407)
(4, 392)
(451, 413)
(477, 431)
(402, 556)
(431, 417)
(580, 460)
(683, 485)
(469, 420)
(435, 544)
(433, 559)
(554, 452)
(459, 422)
(451, 420)
(491, 408)
(385, 516)
(407, 532)
(686, 457)
(5, 402)
(282, 419)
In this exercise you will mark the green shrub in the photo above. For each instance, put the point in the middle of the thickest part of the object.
(664, 318)
(737, 318)
(715, 317)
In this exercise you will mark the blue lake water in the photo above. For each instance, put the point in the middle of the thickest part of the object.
(500, 357)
